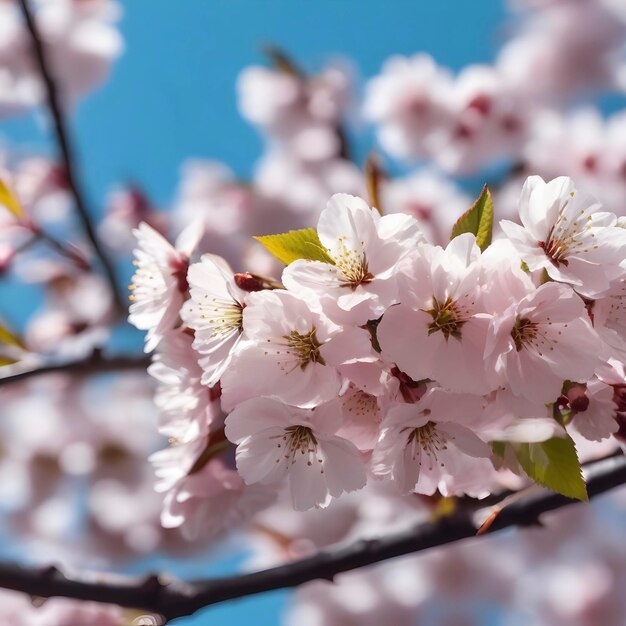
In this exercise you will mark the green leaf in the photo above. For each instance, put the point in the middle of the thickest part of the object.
(10, 338)
(478, 220)
(9, 200)
(296, 244)
(554, 464)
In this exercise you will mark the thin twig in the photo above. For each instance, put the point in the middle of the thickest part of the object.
(67, 251)
(176, 599)
(62, 137)
(95, 363)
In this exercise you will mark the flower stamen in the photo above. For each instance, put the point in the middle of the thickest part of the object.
(447, 318)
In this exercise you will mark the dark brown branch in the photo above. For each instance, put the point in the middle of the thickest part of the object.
(176, 599)
(62, 138)
(95, 363)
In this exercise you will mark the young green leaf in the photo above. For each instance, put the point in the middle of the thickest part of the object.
(477, 220)
(296, 244)
(555, 465)
(9, 201)
(10, 338)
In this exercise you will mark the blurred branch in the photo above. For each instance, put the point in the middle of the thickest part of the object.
(68, 251)
(95, 363)
(62, 138)
(176, 599)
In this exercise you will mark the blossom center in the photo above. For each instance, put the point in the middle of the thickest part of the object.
(524, 332)
(353, 266)
(567, 237)
(305, 348)
(298, 439)
(225, 317)
(447, 318)
(426, 441)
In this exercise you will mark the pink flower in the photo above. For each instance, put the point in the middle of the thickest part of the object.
(432, 199)
(408, 101)
(489, 122)
(290, 353)
(362, 417)
(297, 113)
(366, 250)
(609, 319)
(187, 409)
(303, 186)
(212, 500)
(215, 312)
(81, 40)
(160, 280)
(429, 445)
(435, 332)
(275, 441)
(564, 234)
(593, 410)
(542, 340)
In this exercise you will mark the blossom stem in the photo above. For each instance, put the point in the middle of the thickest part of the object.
(95, 363)
(66, 150)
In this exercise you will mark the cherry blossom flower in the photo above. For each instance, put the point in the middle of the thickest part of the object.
(408, 101)
(298, 113)
(551, 61)
(609, 319)
(212, 500)
(363, 415)
(593, 410)
(435, 332)
(160, 280)
(365, 249)
(275, 441)
(430, 445)
(126, 207)
(81, 42)
(304, 187)
(215, 313)
(542, 340)
(187, 409)
(290, 352)
(490, 122)
(432, 199)
(565, 234)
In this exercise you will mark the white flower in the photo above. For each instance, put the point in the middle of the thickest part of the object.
(566, 235)
(159, 280)
(609, 319)
(435, 333)
(211, 501)
(366, 250)
(275, 441)
(215, 312)
(435, 201)
(290, 353)
(542, 340)
(186, 407)
(428, 445)
(408, 101)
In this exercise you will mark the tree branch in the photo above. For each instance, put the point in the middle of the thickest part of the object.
(95, 363)
(176, 599)
(62, 138)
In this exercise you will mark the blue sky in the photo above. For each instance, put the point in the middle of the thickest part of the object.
(172, 96)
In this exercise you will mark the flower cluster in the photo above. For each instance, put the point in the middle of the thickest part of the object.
(380, 356)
